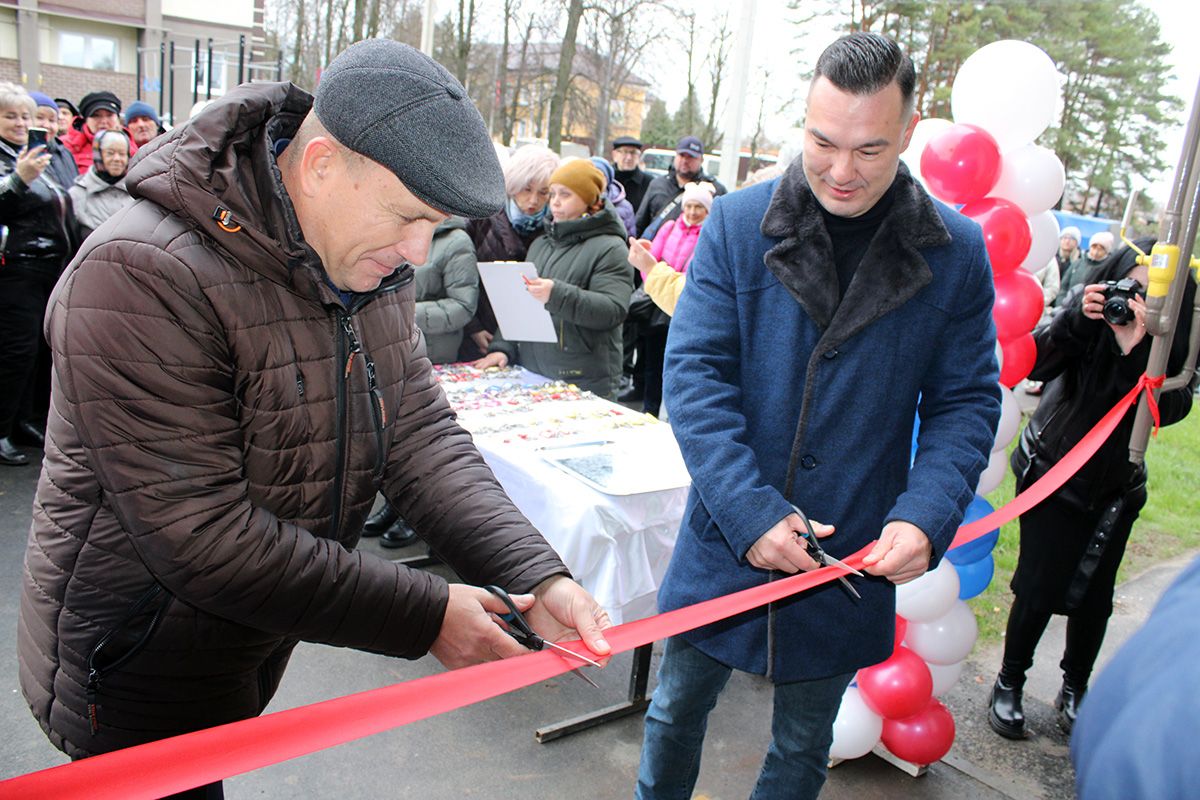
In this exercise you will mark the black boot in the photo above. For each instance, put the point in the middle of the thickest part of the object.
(1005, 714)
(9, 454)
(1067, 704)
(380, 521)
(29, 434)
(398, 535)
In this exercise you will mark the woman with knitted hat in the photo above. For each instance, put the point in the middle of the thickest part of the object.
(584, 281)
(676, 239)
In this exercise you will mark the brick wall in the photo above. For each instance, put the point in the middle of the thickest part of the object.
(73, 83)
(10, 70)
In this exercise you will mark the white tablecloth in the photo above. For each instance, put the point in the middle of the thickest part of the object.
(617, 546)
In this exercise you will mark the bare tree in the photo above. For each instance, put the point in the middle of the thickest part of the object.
(619, 35)
(562, 82)
(718, 61)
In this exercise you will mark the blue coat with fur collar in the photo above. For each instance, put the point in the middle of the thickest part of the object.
(765, 368)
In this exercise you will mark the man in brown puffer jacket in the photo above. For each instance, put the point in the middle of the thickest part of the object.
(237, 373)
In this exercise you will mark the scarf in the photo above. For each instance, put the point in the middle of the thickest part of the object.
(524, 224)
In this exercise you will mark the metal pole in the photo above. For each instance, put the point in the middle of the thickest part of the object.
(742, 44)
(1162, 313)
(171, 78)
(241, 58)
(162, 76)
(427, 27)
(196, 74)
(140, 53)
(279, 65)
(208, 88)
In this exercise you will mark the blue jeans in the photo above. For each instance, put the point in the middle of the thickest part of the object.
(689, 683)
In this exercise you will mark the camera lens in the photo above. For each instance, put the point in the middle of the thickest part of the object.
(1117, 311)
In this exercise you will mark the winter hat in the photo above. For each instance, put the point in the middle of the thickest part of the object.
(1072, 232)
(582, 178)
(627, 141)
(605, 168)
(1104, 239)
(701, 193)
(140, 109)
(44, 100)
(95, 101)
(404, 111)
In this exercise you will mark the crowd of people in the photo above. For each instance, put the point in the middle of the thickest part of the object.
(62, 174)
(259, 448)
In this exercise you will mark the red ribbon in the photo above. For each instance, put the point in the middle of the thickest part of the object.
(172, 765)
(182, 762)
(1067, 466)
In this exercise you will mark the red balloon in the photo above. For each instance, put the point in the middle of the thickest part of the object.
(1019, 355)
(898, 687)
(1018, 304)
(901, 629)
(923, 738)
(961, 164)
(1006, 232)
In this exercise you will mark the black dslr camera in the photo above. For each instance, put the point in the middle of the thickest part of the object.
(1116, 300)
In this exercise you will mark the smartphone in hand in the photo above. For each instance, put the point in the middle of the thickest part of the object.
(37, 137)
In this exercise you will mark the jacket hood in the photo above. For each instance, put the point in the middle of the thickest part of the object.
(603, 222)
(218, 171)
(451, 224)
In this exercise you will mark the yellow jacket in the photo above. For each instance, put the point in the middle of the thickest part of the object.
(664, 285)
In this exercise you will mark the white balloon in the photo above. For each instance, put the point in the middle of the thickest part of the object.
(1032, 177)
(929, 596)
(999, 355)
(993, 474)
(1010, 420)
(857, 728)
(926, 129)
(947, 639)
(945, 676)
(1008, 88)
(1043, 228)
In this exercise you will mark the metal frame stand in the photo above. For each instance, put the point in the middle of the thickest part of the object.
(639, 677)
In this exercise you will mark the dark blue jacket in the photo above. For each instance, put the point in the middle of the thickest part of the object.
(765, 367)
(1137, 728)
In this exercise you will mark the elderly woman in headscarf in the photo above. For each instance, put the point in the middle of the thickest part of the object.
(36, 239)
(100, 192)
(507, 235)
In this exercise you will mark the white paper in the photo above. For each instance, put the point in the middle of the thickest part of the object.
(521, 317)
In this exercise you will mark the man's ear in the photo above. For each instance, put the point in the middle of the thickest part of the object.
(318, 161)
(908, 130)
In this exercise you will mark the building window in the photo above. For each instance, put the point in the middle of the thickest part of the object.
(87, 52)
(220, 70)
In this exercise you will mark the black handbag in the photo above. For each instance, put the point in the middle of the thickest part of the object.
(645, 312)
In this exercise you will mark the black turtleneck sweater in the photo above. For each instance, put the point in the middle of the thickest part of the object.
(851, 236)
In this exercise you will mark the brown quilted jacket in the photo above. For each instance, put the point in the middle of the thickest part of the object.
(221, 423)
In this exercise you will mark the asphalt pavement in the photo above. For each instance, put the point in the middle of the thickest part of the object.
(489, 750)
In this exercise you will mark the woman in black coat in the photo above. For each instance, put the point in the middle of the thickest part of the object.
(36, 239)
(1072, 543)
(506, 235)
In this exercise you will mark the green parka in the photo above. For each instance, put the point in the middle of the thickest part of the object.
(588, 260)
(447, 290)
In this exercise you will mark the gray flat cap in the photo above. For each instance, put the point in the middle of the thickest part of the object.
(401, 109)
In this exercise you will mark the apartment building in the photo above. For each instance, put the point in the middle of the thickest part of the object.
(67, 48)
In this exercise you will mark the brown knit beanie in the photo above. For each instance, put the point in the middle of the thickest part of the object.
(582, 178)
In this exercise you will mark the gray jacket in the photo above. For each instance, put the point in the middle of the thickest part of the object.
(447, 290)
(95, 200)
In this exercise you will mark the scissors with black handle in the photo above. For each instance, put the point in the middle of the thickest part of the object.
(519, 629)
(821, 557)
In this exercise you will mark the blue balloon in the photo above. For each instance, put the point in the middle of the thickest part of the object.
(974, 577)
(977, 549)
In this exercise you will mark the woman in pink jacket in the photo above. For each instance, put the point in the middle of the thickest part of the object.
(676, 240)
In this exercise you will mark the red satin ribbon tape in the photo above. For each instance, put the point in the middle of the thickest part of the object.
(194, 759)
(182, 762)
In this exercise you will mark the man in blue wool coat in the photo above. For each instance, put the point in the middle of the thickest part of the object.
(821, 311)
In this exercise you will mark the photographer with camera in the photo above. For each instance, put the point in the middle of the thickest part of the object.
(1090, 355)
